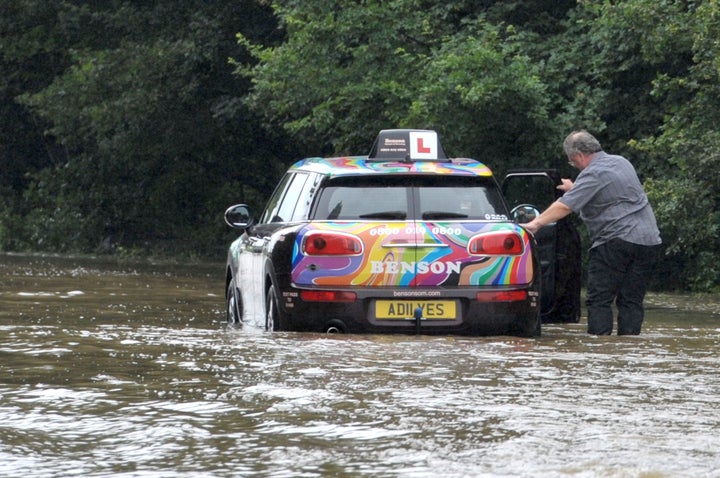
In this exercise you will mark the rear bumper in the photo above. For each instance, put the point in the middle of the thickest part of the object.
(518, 317)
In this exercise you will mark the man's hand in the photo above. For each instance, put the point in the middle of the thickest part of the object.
(566, 185)
(554, 213)
(533, 226)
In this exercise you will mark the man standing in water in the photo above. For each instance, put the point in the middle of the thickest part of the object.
(609, 198)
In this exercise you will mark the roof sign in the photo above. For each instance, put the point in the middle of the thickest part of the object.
(407, 145)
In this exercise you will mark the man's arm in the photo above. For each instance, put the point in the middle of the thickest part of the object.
(554, 213)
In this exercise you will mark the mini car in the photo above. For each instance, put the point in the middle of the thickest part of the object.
(402, 240)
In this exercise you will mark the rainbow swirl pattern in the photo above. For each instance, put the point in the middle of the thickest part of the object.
(412, 254)
(360, 165)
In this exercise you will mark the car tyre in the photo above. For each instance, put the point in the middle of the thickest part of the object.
(524, 327)
(274, 318)
(234, 314)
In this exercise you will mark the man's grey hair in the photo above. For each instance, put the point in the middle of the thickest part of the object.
(581, 141)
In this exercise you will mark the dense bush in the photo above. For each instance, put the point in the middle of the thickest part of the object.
(131, 125)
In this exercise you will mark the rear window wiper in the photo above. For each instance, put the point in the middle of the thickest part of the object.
(443, 215)
(384, 215)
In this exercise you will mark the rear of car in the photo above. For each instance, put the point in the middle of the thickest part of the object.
(423, 250)
(402, 240)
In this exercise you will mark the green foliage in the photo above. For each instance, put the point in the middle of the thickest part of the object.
(141, 120)
(688, 217)
(486, 99)
(349, 70)
(345, 72)
(684, 148)
(124, 127)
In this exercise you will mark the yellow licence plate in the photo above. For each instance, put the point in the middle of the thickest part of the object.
(405, 309)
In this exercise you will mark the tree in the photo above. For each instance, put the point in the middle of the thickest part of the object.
(669, 80)
(486, 98)
(124, 125)
(686, 147)
(144, 109)
(348, 70)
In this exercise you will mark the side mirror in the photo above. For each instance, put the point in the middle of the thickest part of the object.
(239, 216)
(524, 213)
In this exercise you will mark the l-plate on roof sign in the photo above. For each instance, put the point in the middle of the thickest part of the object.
(423, 145)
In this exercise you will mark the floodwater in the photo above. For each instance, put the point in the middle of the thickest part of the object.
(127, 370)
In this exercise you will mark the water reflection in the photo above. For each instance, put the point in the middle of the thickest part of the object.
(111, 370)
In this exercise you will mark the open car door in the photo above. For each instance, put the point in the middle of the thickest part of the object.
(529, 192)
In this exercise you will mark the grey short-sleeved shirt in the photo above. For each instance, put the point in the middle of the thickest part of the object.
(609, 198)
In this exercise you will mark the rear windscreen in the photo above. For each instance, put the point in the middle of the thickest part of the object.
(410, 197)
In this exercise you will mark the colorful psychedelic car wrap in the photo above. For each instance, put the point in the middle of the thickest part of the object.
(354, 165)
(403, 240)
(409, 254)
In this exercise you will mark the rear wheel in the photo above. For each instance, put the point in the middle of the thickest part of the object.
(274, 318)
(526, 327)
(234, 315)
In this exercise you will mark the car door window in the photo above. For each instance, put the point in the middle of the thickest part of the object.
(285, 199)
(291, 198)
(306, 197)
(273, 206)
(535, 189)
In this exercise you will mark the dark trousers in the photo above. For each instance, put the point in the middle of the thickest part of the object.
(618, 271)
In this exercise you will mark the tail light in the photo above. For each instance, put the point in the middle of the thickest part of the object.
(323, 243)
(502, 296)
(496, 243)
(328, 296)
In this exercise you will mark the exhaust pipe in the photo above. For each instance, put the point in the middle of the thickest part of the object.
(335, 327)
